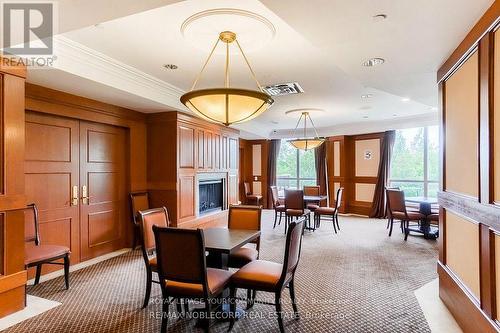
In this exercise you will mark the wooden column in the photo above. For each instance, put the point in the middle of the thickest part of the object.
(12, 200)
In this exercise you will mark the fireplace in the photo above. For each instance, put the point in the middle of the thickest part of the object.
(210, 195)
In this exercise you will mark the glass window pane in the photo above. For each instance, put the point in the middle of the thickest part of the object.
(410, 189)
(433, 153)
(432, 189)
(284, 183)
(307, 168)
(287, 161)
(408, 155)
(307, 182)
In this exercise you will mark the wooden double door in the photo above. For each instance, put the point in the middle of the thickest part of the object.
(75, 171)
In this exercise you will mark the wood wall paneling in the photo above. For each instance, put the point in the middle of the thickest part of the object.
(12, 199)
(462, 248)
(172, 173)
(495, 131)
(186, 147)
(367, 157)
(469, 155)
(462, 127)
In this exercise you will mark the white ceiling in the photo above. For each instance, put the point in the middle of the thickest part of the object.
(322, 50)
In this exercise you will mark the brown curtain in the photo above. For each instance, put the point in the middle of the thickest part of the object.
(379, 205)
(274, 150)
(319, 161)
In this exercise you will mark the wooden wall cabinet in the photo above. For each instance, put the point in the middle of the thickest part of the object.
(180, 149)
(12, 200)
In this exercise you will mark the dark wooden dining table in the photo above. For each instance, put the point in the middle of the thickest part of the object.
(219, 243)
(309, 198)
(425, 204)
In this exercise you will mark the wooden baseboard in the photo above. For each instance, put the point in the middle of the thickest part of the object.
(462, 305)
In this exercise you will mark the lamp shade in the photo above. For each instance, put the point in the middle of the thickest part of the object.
(227, 105)
(306, 144)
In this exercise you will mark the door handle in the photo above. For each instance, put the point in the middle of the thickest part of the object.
(74, 198)
(85, 195)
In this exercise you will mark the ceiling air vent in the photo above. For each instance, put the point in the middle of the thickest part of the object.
(281, 89)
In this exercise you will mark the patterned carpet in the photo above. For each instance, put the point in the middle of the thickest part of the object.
(359, 280)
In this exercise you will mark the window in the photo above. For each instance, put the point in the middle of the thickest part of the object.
(296, 167)
(415, 161)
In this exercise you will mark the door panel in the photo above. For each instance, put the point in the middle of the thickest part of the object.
(102, 171)
(51, 170)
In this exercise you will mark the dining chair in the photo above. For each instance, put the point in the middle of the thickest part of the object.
(139, 200)
(183, 271)
(146, 220)
(249, 197)
(270, 276)
(277, 205)
(330, 211)
(397, 210)
(246, 218)
(37, 254)
(294, 207)
(313, 190)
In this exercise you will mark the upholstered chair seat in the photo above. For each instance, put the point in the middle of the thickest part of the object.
(38, 253)
(325, 211)
(411, 215)
(312, 207)
(330, 211)
(297, 212)
(217, 280)
(280, 208)
(433, 217)
(243, 256)
(259, 274)
(271, 276)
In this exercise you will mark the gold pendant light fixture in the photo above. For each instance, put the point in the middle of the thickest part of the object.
(306, 143)
(227, 105)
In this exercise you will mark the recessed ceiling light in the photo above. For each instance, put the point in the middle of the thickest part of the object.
(365, 117)
(170, 66)
(373, 62)
(367, 96)
(366, 107)
(394, 115)
(405, 99)
(379, 17)
(275, 122)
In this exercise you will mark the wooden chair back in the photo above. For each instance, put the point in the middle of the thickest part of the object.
(139, 201)
(246, 218)
(246, 187)
(32, 231)
(338, 200)
(180, 255)
(292, 249)
(147, 219)
(395, 200)
(311, 190)
(275, 196)
(294, 199)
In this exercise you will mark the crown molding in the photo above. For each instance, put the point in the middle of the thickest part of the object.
(77, 59)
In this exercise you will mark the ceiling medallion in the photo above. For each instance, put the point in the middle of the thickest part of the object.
(306, 143)
(227, 105)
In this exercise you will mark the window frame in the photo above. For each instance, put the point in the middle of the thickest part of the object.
(426, 180)
(297, 179)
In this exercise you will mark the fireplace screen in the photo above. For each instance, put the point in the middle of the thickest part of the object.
(210, 195)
